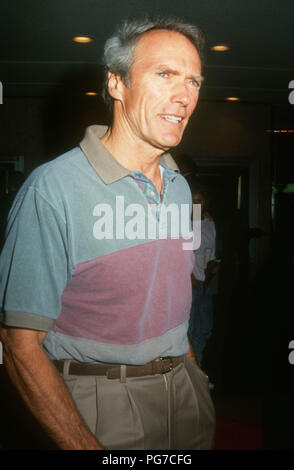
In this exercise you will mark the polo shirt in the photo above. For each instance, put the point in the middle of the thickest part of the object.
(78, 263)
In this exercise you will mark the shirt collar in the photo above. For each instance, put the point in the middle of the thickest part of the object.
(104, 163)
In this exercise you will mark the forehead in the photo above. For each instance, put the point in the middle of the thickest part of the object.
(162, 46)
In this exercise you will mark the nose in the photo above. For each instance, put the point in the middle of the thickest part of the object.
(180, 94)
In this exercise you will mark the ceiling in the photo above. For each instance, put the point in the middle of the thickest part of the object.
(37, 52)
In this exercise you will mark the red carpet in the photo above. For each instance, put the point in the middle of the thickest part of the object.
(233, 435)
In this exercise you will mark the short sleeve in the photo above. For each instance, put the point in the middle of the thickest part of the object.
(34, 263)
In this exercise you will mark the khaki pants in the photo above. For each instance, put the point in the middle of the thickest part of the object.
(162, 411)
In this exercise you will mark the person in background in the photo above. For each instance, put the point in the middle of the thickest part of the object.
(205, 267)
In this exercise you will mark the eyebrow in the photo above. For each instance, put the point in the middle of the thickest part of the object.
(168, 68)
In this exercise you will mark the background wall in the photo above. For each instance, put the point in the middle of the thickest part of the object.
(234, 134)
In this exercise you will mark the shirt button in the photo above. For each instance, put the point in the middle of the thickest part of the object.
(152, 193)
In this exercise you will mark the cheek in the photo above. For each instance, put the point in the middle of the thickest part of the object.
(152, 89)
(146, 97)
(157, 92)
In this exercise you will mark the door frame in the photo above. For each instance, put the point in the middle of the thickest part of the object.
(253, 166)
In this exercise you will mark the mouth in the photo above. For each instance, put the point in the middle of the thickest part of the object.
(172, 118)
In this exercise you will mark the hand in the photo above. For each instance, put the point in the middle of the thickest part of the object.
(193, 280)
(190, 353)
(211, 269)
(216, 267)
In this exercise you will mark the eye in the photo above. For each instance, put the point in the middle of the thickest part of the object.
(195, 83)
(163, 74)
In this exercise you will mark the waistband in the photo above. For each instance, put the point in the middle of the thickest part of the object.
(162, 365)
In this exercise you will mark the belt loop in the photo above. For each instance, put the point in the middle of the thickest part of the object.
(66, 368)
(123, 373)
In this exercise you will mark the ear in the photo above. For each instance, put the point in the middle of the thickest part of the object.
(115, 86)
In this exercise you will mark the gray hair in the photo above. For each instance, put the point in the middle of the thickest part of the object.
(119, 49)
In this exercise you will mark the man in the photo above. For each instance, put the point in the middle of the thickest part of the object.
(92, 311)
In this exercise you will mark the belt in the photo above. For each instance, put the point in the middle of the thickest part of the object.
(113, 371)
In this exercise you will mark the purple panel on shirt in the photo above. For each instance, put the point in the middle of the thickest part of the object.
(130, 295)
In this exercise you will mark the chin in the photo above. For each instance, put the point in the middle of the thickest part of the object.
(169, 141)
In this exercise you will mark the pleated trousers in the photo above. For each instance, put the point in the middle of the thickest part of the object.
(171, 411)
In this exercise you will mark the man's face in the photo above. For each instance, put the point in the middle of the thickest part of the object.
(164, 86)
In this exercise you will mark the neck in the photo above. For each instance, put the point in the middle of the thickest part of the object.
(133, 154)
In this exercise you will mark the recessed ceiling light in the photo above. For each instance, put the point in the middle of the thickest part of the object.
(82, 39)
(233, 98)
(220, 48)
